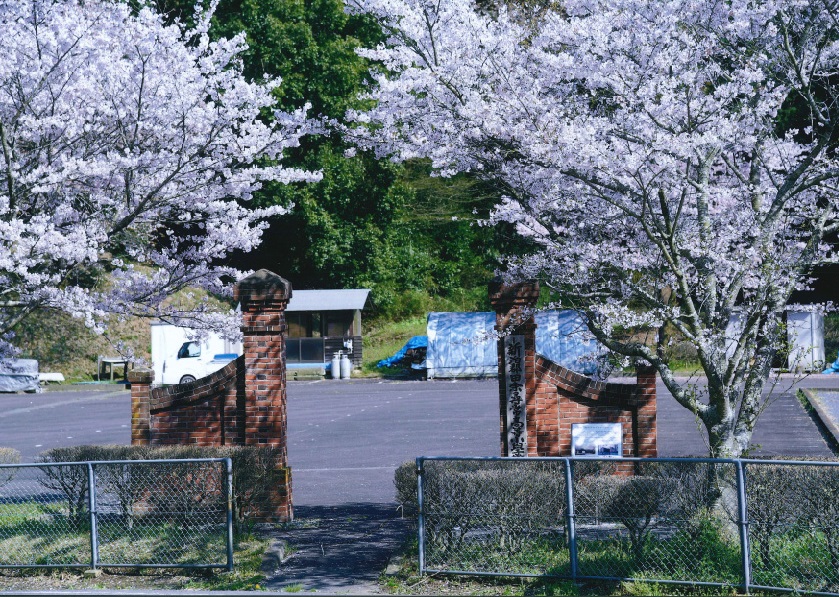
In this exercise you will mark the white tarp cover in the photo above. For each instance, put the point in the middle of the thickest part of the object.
(805, 335)
(19, 375)
(461, 344)
(562, 337)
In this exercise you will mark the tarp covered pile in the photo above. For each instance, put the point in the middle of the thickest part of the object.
(19, 375)
(412, 344)
(464, 345)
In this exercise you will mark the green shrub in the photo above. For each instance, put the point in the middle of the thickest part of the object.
(405, 481)
(71, 481)
(8, 456)
(771, 490)
(512, 499)
(256, 474)
(819, 488)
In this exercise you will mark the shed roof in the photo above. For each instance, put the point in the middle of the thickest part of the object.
(328, 300)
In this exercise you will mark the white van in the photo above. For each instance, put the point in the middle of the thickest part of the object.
(176, 359)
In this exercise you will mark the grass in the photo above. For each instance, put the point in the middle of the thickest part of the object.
(63, 540)
(408, 581)
(800, 562)
(247, 574)
(384, 338)
(42, 533)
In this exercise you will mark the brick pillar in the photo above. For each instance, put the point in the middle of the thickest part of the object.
(140, 380)
(510, 303)
(646, 438)
(263, 297)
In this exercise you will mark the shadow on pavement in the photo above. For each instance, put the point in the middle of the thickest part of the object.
(337, 549)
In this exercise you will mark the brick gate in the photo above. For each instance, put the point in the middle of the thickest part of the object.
(242, 404)
(540, 400)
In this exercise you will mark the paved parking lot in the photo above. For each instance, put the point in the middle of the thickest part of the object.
(346, 438)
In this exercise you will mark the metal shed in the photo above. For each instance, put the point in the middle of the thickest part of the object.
(323, 322)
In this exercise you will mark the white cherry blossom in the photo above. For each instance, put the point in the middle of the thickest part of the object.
(129, 151)
(641, 147)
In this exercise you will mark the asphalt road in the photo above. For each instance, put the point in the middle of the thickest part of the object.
(347, 437)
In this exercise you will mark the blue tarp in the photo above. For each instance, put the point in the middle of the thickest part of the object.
(462, 344)
(415, 342)
(834, 367)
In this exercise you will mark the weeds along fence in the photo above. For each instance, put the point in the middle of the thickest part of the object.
(127, 513)
(753, 524)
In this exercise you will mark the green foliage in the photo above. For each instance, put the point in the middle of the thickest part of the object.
(62, 343)
(405, 481)
(831, 337)
(256, 473)
(369, 223)
(8, 456)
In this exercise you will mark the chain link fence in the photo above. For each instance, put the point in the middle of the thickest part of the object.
(746, 523)
(140, 513)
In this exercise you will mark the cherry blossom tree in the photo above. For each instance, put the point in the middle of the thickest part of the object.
(129, 151)
(674, 162)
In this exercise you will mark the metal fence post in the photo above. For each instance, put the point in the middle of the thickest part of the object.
(94, 533)
(421, 516)
(569, 515)
(229, 466)
(743, 522)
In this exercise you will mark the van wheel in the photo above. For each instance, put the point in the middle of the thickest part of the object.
(187, 379)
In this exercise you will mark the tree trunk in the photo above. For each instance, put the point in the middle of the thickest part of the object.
(723, 442)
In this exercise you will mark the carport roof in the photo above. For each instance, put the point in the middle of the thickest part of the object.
(348, 299)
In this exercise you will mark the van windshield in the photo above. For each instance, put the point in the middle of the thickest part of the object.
(189, 350)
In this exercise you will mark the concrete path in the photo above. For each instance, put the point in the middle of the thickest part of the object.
(825, 403)
(335, 549)
(784, 428)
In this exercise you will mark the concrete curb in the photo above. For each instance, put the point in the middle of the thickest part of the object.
(274, 557)
(831, 424)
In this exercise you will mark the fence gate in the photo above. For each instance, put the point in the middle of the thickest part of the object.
(129, 513)
(753, 524)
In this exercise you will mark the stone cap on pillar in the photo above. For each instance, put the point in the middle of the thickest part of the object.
(262, 289)
(141, 376)
(506, 296)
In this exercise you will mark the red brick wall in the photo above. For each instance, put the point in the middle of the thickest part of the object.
(201, 413)
(140, 380)
(557, 397)
(564, 398)
(243, 403)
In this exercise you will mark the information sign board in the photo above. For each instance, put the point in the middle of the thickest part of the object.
(600, 440)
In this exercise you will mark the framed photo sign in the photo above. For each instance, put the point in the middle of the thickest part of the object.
(597, 440)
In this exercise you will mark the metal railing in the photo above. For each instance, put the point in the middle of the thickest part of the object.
(126, 513)
(753, 524)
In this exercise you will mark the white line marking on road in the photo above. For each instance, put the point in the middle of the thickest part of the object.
(17, 411)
